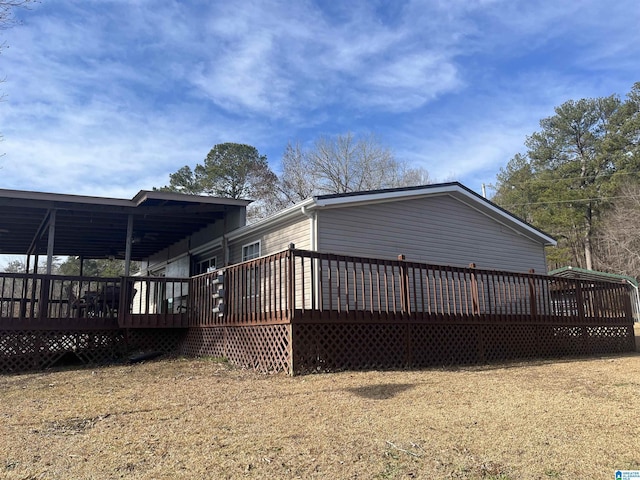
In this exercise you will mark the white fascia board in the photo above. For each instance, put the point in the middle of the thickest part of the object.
(381, 197)
(274, 220)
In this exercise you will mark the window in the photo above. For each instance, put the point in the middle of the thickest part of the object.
(204, 265)
(251, 251)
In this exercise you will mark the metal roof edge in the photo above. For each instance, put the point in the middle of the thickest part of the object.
(558, 272)
(63, 197)
(143, 195)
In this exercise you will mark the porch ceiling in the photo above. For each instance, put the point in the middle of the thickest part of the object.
(94, 227)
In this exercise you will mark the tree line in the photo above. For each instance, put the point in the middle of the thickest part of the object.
(579, 180)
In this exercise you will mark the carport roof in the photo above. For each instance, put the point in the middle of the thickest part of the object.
(96, 227)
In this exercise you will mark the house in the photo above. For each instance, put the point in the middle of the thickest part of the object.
(445, 224)
(407, 277)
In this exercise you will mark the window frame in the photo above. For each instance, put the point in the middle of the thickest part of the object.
(200, 261)
(246, 246)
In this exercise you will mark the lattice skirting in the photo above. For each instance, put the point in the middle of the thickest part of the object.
(265, 348)
(320, 347)
(330, 347)
(165, 340)
(33, 350)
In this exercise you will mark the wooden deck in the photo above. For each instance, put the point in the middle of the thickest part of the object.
(306, 311)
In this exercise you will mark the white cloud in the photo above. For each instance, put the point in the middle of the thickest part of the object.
(109, 97)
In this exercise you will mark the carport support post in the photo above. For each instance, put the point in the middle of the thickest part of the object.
(51, 240)
(43, 303)
(127, 254)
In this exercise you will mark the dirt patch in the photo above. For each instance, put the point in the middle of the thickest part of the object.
(184, 418)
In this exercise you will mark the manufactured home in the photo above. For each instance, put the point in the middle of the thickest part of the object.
(405, 277)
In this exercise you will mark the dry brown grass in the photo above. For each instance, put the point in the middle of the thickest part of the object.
(186, 418)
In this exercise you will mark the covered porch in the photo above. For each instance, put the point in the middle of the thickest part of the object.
(43, 316)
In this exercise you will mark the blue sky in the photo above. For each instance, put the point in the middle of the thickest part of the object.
(109, 97)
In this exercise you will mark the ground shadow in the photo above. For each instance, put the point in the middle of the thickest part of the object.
(381, 391)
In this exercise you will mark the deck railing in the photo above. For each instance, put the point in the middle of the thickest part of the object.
(58, 301)
(74, 302)
(259, 291)
(304, 286)
(154, 302)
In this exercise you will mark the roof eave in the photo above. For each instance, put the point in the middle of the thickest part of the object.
(144, 195)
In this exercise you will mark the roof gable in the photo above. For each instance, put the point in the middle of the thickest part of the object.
(453, 189)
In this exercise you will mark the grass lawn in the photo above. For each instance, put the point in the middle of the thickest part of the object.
(192, 419)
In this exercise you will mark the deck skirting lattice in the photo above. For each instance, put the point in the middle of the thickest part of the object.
(325, 347)
(265, 348)
(22, 350)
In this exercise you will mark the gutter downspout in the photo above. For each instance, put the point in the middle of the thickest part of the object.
(313, 228)
(313, 246)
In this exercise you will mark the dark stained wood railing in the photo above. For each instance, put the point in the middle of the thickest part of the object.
(296, 286)
(60, 302)
(302, 286)
(154, 302)
(258, 291)
(57, 301)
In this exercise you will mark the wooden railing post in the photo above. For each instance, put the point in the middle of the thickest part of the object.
(405, 302)
(532, 295)
(580, 300)
(475, 306)
(43, 298)
(628, 309)
(475, 300)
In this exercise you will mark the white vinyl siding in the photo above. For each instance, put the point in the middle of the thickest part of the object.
(274, 239)
(438, 230)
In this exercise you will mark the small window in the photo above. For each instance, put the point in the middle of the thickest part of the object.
(204, 265)
(251, 251)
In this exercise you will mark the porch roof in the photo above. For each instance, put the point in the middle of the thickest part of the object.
(96, 227)
(593, 275)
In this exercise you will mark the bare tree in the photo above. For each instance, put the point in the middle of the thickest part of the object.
(6, 11)
(342, 164)
(296, 182)
(617, 242)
